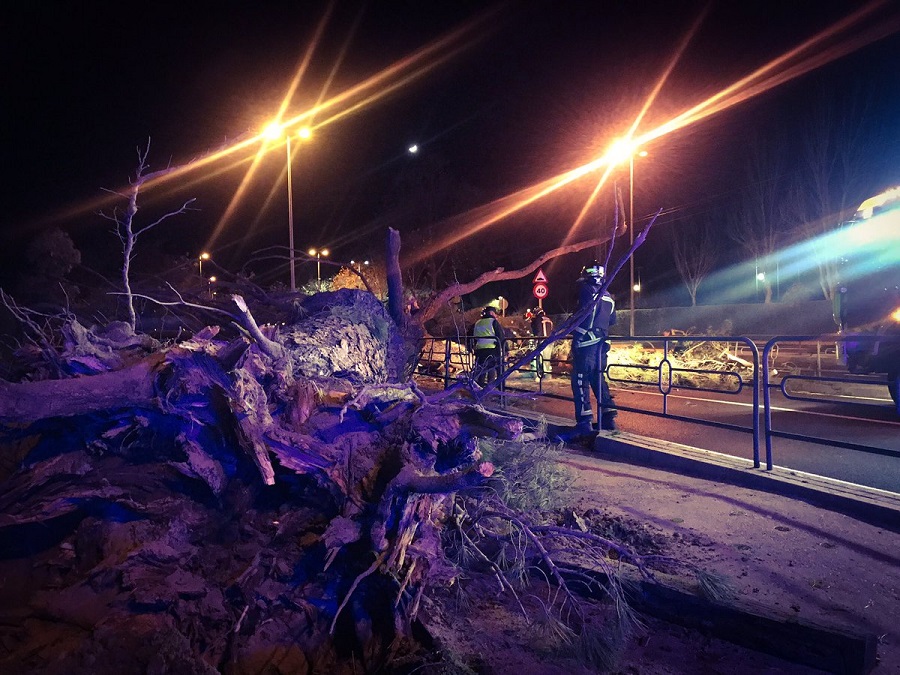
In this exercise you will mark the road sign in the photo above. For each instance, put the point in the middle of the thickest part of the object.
(539, 278)
(540, 291)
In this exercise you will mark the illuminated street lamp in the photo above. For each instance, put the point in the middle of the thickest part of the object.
(319, 253)
(209, 284)
(274, 132)
(203, 256)
(621, 150)
(359, 265)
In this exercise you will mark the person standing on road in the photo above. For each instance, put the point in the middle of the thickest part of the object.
(489, 341)
(541, 327)
(589, 349)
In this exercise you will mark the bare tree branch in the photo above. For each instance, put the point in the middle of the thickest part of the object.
(500, 274)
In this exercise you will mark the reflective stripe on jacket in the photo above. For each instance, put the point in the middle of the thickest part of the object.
(485, 337)
(604, 312)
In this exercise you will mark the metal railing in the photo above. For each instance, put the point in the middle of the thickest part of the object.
(771, 382)
(450, 361)
(670, 376)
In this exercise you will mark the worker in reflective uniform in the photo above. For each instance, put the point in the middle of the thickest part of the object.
(488, 342)
(589, 349)
(541, 326)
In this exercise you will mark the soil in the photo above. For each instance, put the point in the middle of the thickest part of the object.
(820, 566)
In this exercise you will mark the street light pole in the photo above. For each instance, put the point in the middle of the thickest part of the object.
(616, 155)
(291, 215)
(272, 132)
(630, 244)
(319, 253)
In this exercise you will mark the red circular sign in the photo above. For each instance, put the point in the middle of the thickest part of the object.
(540, 291)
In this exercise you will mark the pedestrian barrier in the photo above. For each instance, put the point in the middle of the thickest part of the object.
(806, 360)
(790, 386)
(668, 375)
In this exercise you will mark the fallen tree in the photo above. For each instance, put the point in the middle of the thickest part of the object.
(276, 495)
(219, 505)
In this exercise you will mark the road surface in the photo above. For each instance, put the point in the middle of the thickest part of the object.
(865, 420)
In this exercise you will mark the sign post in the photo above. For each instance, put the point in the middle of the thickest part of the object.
(540, 288)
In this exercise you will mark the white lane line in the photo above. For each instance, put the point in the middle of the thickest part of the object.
(750, 405)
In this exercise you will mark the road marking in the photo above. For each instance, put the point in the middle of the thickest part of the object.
(750, 405)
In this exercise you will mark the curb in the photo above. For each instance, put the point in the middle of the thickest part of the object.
(871, 505)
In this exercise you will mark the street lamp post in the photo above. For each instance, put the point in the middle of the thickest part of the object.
(290, 191)
(630, 244)
(631, 284)
(273, 132)
(203, 256)
(636, 287)
(622, 148)
(318, 253)
(359, 265)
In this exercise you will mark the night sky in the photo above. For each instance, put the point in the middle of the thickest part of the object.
(535, 89)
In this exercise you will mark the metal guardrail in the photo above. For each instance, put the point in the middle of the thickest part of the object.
(664, 376)
(667, 378)
(783, 386)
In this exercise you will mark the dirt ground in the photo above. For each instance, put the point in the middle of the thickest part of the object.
(785, 554)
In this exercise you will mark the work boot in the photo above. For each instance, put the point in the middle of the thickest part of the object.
(583, 429)
(608, 422)
(580, 433)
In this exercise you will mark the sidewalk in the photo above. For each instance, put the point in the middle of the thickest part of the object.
(877, 507)
(785, 558)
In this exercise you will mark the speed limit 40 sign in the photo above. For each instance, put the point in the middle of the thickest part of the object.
(540, 291)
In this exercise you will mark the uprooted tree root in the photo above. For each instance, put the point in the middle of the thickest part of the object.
(231, 506)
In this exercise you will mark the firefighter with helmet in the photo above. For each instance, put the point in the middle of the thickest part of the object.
(541, 326)
(489, 342)
(589, 349)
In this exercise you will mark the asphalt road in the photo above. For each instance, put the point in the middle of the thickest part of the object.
(864, 418)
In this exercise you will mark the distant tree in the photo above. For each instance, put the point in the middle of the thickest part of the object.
(836, 151)
(52, 254)
(695, 255)
(756, 224)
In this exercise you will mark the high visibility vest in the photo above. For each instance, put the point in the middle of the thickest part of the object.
(485, 337)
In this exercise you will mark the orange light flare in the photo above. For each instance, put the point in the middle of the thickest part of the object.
(272, 132)
(790, 65)
(619, 152)
(477, 219)
(404, 71)
(794, 63)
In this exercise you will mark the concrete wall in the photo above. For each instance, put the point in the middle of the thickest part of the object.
(757, 319)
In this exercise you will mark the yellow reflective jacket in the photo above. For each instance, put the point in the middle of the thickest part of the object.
(486, 334)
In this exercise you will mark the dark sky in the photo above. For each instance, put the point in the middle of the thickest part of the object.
(540, 87)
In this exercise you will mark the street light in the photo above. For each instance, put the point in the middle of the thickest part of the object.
(622, 148)
(318, 253)
(359, 265)
(273, 132)
(203, 256)
(209, 284)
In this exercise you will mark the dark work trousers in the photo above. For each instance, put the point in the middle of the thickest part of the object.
(487, 365)
(587, 375)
